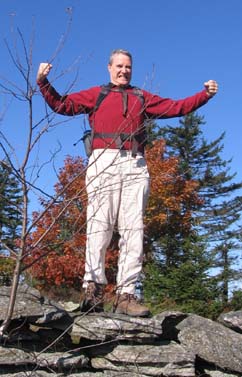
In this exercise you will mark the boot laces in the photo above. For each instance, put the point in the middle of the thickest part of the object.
(94, 292)
(130, 298)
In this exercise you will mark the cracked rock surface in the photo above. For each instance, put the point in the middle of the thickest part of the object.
(47, 338)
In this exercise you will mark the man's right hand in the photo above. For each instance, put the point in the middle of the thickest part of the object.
(43, 71)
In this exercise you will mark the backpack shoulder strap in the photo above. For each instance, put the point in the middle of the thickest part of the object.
(105, 89)
(139, 93)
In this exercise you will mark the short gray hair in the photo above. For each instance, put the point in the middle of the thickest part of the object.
(119, 51)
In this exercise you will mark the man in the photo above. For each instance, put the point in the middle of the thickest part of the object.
(117, 178)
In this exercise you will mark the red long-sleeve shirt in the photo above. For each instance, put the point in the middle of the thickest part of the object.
(110, 118)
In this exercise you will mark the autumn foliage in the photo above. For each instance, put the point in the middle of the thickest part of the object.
(60, 255)
(58, 260)
(172, 198)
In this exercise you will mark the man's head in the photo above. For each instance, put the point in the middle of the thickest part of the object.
(120, 67)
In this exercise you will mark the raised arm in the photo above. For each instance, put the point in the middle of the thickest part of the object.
(81, 102)
(158, 107)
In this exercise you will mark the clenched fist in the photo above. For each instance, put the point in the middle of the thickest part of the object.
(211, 87)
(43, 71)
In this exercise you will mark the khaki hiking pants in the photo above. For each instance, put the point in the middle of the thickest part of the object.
(117, 187)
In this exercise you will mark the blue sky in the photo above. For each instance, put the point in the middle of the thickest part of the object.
(177, 45)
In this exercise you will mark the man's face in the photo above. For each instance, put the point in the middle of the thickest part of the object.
(120, 70)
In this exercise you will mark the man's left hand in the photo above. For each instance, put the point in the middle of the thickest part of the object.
(211, 87)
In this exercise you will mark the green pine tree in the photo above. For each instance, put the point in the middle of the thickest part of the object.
(10, 209)
(214, 235)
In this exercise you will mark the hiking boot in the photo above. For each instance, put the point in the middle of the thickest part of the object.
(93, 298)
(128, 304)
